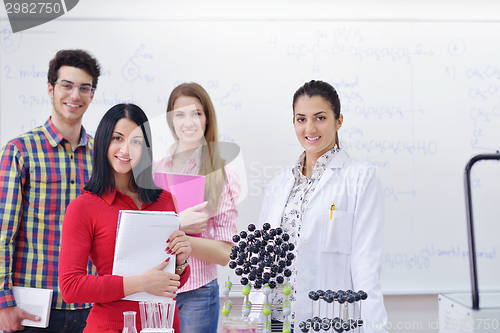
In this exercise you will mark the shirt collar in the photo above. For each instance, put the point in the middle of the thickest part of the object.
(113, 194)
(196, 156)
(110, 196)
(55, 137)
(320, 166)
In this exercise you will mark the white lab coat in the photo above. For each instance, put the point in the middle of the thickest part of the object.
(339, 254)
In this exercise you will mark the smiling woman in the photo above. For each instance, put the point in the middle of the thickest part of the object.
(121, 180)
(125, 151)
(123, 154)
(189, 121)
(192, 121)
(316, 126)
(332, 207)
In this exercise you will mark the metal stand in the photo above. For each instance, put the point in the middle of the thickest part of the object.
(460, 312)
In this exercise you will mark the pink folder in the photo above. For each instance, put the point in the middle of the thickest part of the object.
(189, 190)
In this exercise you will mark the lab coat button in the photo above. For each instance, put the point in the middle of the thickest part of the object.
(303, 276)
(306, 241)
(301, 312)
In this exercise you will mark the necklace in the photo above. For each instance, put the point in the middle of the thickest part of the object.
(178, 156)
(178, 159)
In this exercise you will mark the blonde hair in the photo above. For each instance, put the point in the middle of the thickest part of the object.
(212, 164)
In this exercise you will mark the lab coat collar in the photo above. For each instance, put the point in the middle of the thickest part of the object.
(319, 168)
(338, 160)
(286, 185)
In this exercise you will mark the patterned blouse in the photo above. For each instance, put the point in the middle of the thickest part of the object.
(291, 221)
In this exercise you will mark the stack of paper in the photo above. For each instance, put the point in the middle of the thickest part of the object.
(35, 301)
(140, 245)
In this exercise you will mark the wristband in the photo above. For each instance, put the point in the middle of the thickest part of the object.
(182, 266)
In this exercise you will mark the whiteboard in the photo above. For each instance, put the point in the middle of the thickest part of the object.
(419, 99)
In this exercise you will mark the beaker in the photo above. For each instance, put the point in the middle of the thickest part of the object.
(129, 322)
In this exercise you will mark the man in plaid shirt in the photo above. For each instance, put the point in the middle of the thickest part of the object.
(41, 171)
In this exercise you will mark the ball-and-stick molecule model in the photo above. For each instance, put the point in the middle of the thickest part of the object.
(340, 323)
(261, 257)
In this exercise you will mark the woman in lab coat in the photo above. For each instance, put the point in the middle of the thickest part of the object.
(332, 207)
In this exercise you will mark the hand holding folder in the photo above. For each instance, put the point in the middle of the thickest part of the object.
(140, 245)
(35, 301)
(194, 220)
(189, 193)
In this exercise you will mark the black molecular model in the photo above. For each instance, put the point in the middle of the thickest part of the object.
(261, 259)
(340, 323)
(262, 256)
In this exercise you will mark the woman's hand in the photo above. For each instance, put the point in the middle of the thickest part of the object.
(180, 245)
(159, 283)
(155, 281)
(193, 221)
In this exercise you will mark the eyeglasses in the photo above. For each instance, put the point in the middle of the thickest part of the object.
(67, 88)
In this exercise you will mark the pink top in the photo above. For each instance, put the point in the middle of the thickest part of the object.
(221, 226)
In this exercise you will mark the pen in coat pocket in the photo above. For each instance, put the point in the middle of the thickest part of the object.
(332, 208)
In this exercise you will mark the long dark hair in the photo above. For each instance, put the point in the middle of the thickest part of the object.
(102, 180)
(322, 89)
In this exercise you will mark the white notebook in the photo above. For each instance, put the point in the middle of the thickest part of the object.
(140, 245)
(35, 301)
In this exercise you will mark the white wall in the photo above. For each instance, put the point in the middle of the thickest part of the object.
(226, 10)
(417, 311)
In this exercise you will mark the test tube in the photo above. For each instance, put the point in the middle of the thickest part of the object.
(164, 315)
(149, 311)
(171, 314)
(142, 308)
(156, 314)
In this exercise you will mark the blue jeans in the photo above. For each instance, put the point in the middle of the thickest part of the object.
(67, 321)
(199, 309)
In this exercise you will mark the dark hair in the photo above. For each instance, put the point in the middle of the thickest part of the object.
(212, 164)
(102, 180)
(74, 58)
(322, 89)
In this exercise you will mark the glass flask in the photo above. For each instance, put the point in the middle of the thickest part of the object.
(129, 322)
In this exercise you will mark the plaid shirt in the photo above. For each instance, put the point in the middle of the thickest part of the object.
(39, 175)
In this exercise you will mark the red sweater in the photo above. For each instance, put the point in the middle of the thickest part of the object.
(89, 230)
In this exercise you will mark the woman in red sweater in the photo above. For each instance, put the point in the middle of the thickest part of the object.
(121, 180)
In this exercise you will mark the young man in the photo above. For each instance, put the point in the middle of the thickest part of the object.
(41, 171)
